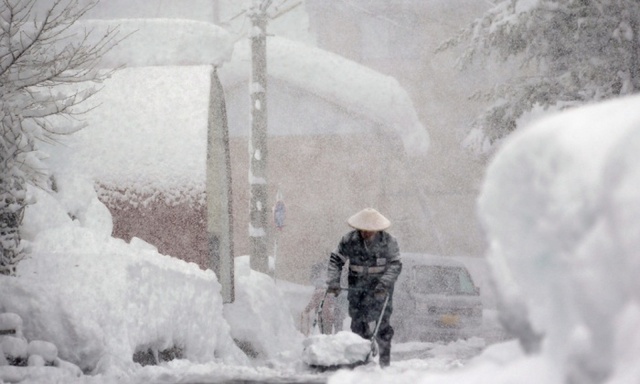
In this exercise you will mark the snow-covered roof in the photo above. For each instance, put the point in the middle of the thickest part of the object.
(358, 89)
(148, 124)
(156, 107)
(156, 42)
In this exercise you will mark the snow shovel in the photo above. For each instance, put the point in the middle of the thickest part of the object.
(342, 350)
(318, 318)
(374, 343)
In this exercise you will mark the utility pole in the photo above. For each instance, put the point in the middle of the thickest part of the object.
(258, 153)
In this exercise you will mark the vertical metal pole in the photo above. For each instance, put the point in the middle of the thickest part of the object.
(219, 208)
(275, 258)
(258, 141)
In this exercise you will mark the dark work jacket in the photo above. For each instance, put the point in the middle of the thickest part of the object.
(370, 265)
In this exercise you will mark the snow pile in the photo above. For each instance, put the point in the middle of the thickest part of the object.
(96, 301)
(17, 352)
(99, 300)
(260, 317)
(343, 348)
(11, 324)
(561, 204)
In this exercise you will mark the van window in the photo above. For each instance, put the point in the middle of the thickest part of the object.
(466, 284)
(432, 279)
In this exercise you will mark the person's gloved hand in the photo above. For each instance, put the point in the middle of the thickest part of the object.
(333, 291)
(380, 293)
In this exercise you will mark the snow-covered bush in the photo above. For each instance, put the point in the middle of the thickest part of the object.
(567, 53)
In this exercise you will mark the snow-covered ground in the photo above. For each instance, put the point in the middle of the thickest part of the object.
(560, 206)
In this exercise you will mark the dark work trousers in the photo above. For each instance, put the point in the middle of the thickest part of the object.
(364, 308)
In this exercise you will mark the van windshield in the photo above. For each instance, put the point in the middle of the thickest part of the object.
(433, 279)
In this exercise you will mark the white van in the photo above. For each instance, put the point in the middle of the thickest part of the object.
(435, 299)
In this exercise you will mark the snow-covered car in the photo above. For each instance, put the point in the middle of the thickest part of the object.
(435, 299)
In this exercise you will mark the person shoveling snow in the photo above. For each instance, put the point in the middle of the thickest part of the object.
(373, 259)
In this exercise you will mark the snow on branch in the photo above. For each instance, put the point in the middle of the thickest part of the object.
(565, 53)
(47, 70)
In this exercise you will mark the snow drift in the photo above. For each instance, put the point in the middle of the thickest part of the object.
(560, 205)
(99, 299)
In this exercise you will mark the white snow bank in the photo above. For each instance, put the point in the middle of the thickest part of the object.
(561, 208)
(260, 316)
(26, 361)
(99, 300)
(155, 42)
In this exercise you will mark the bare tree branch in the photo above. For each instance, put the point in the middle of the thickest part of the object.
(47, 71)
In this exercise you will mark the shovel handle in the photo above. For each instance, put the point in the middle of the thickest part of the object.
(318, 318)
(384, 306)
(374, 342)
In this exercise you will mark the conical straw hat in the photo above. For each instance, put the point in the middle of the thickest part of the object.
(369, 220)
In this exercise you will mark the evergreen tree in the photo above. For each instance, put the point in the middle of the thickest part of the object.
(47, 69)
(568, 51)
